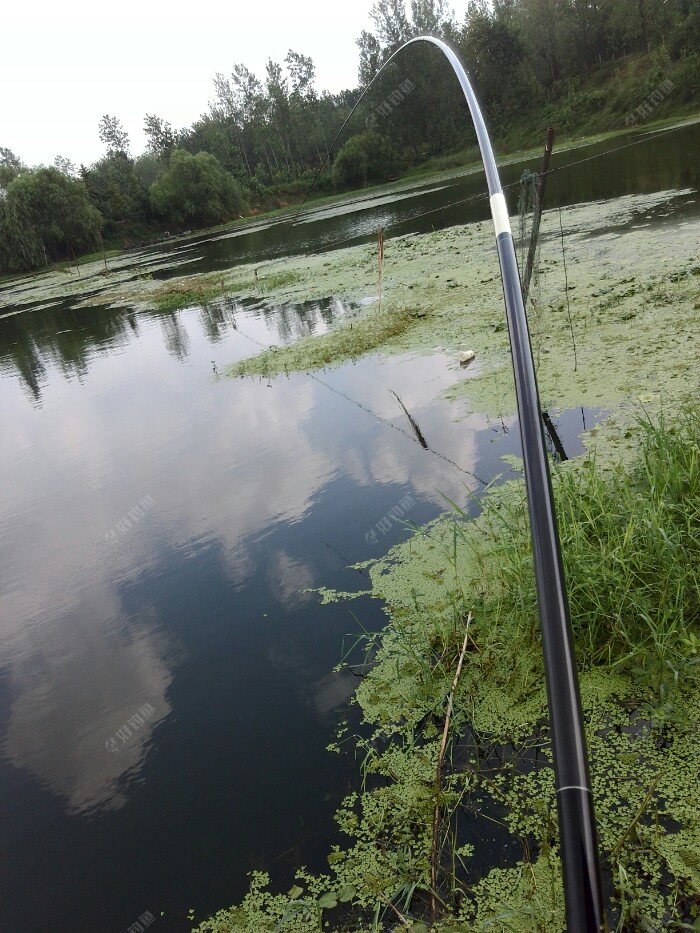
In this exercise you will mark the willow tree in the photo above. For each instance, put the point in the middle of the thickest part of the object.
(44, 215)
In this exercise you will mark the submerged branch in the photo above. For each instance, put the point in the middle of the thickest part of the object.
(414, 424)
(438, 776)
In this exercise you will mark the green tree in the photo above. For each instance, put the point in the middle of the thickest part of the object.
(45, 205)
(430, 17)
(113, 134)
(302, 73)
(371, 56)
(391, 23)
(65, 166)
(148, 167)
(303, 108)
(119, 194)
(162, 138)
(232, 129)
(428, 117)
(277, 87)
(364, 158)
(540, 23)
(685, 36)
(20, 247)
(495, 54)
(10, 166)
(195, 190)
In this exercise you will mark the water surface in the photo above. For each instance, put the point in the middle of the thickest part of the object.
(166, 685)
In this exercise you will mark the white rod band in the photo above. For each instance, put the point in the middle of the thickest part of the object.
(499, 212)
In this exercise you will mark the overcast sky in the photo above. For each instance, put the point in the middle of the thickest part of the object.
(63, 65)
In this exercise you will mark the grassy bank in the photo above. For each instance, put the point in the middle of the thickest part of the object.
(631, 543)
(589, 109)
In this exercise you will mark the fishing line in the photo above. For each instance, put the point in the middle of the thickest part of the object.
(481, 196)
(566, 277)
(331, 149)
(578, 849)
(650, 137)
(396, 427)
(373, 414)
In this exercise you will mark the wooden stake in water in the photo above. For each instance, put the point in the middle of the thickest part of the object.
(380, 264)
(537, 214)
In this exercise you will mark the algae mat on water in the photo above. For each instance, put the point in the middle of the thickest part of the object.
(350, 339)
(633, 289)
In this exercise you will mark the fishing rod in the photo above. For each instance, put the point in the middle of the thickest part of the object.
(577, 833)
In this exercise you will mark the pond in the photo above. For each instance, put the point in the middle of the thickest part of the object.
(166, 687)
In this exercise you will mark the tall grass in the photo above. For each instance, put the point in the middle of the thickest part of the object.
(631, 547)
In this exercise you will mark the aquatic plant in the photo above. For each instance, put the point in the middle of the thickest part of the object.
(631, 543)
(347, 340)
(193, 290)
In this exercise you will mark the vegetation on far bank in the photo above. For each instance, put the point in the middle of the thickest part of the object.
(583, 69)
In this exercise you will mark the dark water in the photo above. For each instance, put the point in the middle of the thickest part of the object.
(653, 162)
(166, 686)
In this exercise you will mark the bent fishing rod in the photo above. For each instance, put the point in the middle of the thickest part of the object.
(577, 833)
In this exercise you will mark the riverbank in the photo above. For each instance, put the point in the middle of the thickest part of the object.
(512, 147)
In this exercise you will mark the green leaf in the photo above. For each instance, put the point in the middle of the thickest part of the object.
(419, 927)
(346, 893)
(295, 892)
(327, 900)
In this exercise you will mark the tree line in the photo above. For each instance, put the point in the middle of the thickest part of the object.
(262, 141)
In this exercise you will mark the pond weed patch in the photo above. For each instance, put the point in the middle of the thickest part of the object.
(188, 292)
(347, 340)
(637, 646)
(633, 297)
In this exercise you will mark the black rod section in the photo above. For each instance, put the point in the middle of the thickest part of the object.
(578, 842)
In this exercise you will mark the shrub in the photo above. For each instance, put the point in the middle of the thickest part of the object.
(364, 158)
(195, 190)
